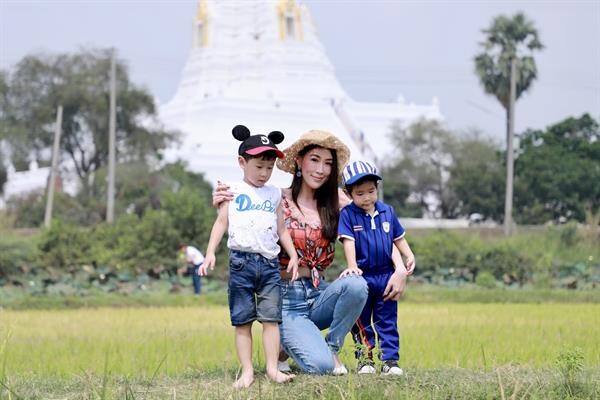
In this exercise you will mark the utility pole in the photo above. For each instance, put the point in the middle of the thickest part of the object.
(508, 202)
(110, 204)
(53, 168)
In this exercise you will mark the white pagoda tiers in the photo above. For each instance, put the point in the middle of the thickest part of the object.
(260, 63)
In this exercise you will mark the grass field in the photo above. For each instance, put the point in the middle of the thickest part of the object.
(470, 350)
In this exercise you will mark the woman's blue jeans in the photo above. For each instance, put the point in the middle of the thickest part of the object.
(307, 310)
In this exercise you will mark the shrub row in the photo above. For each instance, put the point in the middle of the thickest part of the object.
(555, 257)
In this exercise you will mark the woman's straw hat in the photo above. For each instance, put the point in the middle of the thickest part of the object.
(315, 137)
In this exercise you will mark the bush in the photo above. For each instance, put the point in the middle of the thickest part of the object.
(569, 234)
(486, 280)
(109, 244)
(507, 263)
(539, 257)
(438, 250)
(15, 253)
(64, 246)
(152, 243)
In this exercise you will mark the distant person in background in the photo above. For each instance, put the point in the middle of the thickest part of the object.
(374, 244)
(194, 259)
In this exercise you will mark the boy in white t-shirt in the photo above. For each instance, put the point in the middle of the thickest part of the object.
(254, 221)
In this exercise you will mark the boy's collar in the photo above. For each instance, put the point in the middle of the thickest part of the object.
(378, 207)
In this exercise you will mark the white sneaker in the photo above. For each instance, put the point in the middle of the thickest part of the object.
(341, 370)
(284, 366)
(391, 370)
(366, 369)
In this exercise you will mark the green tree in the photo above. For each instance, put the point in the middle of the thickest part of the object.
(138, 189)
(27, 210)
(422, 168)
(557, 171)
(507, 39)
(80, 83)
(396, 191)
(184, 195)
(187, 198)
(476, 176)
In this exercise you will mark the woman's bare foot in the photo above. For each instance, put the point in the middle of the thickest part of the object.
(279, 377)
(244, 381)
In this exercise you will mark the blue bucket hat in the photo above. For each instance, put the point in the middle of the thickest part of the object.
(357, 170)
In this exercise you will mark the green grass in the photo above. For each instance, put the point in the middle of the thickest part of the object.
(448, 351)
(506, 382)
(17, 299)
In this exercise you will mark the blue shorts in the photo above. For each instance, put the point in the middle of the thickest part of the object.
(254, 288)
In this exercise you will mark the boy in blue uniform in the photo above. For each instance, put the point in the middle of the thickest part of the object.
(374, 244)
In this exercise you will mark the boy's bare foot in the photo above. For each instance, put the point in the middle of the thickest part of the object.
(244, 381)
(337, 362)
(279, 377)
(339, 368)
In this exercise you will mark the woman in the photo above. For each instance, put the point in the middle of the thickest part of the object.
(311, 209)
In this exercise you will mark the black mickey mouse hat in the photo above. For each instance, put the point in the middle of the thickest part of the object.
(256, 144)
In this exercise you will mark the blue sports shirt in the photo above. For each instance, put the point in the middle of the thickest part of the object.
(373, 236)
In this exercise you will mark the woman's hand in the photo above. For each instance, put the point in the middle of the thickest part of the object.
(395, 286)
(221, 194)
(292, 268)
(343, 198)
(351, 271)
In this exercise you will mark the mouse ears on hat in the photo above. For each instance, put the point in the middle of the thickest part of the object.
(275, 137)
(241, 133)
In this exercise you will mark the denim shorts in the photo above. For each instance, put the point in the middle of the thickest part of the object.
(254, 288)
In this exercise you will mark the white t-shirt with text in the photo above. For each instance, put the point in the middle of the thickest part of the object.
(253, 219)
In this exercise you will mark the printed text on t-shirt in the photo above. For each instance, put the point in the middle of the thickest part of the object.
(244, 203)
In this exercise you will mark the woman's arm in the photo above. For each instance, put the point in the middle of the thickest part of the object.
(288, 245)
(221, 194)
(344, 199)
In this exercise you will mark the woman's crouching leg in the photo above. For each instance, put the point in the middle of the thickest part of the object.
(338, 308)
(302, 341)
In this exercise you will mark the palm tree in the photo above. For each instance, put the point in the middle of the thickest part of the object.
(508, 40)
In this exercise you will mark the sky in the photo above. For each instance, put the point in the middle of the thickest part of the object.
(380, 49)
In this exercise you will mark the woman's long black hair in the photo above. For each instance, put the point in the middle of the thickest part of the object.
(328, 202)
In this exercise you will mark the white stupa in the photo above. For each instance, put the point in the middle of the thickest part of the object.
(259, 63)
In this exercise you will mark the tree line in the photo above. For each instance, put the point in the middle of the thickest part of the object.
(451, 174)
